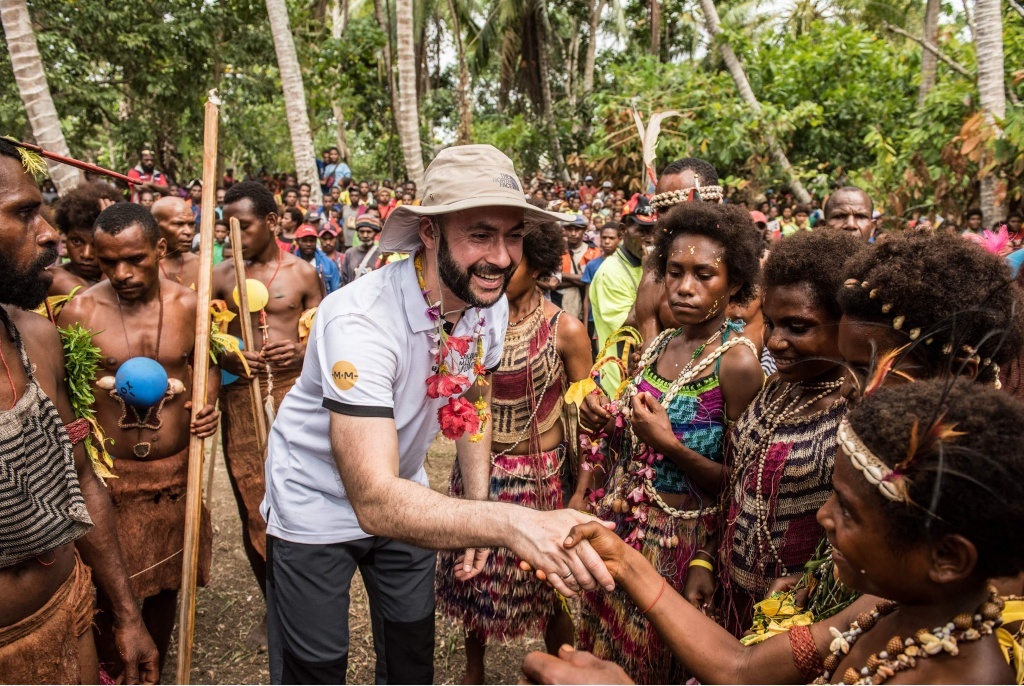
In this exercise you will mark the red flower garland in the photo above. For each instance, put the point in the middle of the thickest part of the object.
(458, 417)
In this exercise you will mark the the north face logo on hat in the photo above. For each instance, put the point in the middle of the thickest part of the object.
(506, 181)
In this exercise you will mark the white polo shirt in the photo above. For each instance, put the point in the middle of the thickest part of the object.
(368, 356)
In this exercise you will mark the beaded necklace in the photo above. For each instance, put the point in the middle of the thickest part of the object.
(900, 654)
(643, 456)
(459, 415)
(777, 412)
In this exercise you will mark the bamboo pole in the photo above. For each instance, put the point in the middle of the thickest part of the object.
(245, 321)
(210, 468)
(200, 371)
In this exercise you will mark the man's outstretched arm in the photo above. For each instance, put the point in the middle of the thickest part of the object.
(366, 453)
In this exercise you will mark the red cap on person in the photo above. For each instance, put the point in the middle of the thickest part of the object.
(758, 217)
(305, 231)
(639, 210)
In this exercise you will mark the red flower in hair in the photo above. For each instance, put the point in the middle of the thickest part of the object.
(445, 385)
(458, 417)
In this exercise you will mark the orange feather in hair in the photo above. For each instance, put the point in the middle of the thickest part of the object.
(883, 368)
(938, 433)
(911, 448)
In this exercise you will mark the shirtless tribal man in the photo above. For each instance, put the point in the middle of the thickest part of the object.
(46, 606)
(177, 225)
(294, 289)
(137, 313)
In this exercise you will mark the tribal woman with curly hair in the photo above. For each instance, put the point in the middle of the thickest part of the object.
(659, 470)
(781, 450)
(928, 499)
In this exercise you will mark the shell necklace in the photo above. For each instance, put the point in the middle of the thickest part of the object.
(902, 654)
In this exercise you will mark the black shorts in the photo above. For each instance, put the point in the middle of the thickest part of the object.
(308, 605)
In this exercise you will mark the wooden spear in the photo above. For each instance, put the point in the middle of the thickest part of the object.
(210, 468)
(245, 321)
(71, 161)
(200, 371)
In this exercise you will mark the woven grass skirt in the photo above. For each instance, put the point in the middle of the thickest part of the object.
(504, 602)
(612, 627)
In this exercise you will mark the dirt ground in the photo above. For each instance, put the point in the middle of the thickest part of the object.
(231, 605)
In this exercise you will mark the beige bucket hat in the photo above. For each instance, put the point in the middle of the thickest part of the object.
(462, 177)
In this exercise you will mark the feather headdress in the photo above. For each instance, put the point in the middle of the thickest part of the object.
(992, 241)
(649, 142)
(883, 368)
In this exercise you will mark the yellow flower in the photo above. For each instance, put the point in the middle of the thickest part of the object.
(579, 390)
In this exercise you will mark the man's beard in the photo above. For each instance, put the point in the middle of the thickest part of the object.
(457, 280)
(25, 287)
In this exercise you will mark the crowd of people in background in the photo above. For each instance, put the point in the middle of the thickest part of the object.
(340, 236)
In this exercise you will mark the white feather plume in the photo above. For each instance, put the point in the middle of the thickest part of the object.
(650, 138)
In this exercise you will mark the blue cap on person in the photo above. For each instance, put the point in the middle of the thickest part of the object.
(462, 177)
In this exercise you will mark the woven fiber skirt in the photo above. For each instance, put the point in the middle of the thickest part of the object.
(612, 626)
(503, 601)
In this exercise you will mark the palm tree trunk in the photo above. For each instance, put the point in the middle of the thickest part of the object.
(339, 19)
(35, 91)
(464, 134)
(384, 21)
(991, 92)
(929, 62)
(655, 15)
(545, 85)
(423, 77)
(595, 8)
(572, 61)
(739, 77)
(408, 109)
(294, 99)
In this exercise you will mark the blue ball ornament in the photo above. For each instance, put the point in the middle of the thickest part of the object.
(226, 377)
(141, 382)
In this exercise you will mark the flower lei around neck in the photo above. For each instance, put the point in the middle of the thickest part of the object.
(451, 364)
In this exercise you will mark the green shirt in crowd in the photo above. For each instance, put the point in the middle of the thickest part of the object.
(612, 294)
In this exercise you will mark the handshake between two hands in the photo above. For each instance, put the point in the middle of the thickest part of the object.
(571, 550)
(588, 556)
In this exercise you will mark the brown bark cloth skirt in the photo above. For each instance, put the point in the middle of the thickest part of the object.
(244, 462)
(43, 647)
(149, 508)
